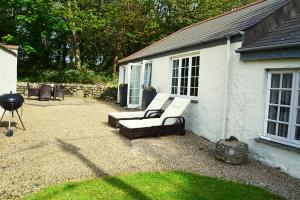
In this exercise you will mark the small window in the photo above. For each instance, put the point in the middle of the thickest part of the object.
(283, 107)
(185, 76)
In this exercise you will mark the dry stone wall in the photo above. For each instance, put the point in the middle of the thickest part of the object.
(103, 91)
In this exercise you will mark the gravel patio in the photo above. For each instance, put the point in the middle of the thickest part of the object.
(70, 140)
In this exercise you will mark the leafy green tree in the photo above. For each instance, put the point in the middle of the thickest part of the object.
(93, 35)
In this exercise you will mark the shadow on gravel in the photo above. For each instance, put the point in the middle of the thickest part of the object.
(31, 147)
(116, 182)
(4, 124)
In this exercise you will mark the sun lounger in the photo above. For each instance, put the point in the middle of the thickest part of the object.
(170, 122)
(152, 111)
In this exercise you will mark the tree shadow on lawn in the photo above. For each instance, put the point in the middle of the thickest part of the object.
(115, 182)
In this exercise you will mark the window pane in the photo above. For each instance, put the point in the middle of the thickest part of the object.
(298, 116)
(297, 133)
(274, 94)
(273, 112)
(174, 90)
(186, 71)
(271, 128)
(298, 98)
(282, 130)
(285, 97)
(275, 81)
(192, 92)
(287, 80)
(192, 82)
(284, 114)
(197, 71)
(193, 71)
(193, 61)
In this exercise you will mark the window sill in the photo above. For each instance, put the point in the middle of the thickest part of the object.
(276, 144)
(192, 100)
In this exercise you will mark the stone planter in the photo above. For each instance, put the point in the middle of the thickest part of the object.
(232, 152)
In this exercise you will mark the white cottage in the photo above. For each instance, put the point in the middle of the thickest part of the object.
(8, 69)
(242, 71)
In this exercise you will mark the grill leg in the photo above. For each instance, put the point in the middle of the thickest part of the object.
(2, 115)
(9, 125)
(9, 132)
(20, 119)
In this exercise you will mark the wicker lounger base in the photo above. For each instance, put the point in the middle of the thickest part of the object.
(154, 131)
(113, 122)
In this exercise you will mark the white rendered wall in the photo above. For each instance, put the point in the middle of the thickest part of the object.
(203, 118)
(246, 101)
(8, 73)
(246, 109)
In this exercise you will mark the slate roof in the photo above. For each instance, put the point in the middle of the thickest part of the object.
(287, 34)
(228, 24)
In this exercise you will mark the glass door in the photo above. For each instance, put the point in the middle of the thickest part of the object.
(134, 87)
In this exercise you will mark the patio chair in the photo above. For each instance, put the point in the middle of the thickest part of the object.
(45, 92)
(171, 122)
(32, 91)
(59, 92)
(153, 110)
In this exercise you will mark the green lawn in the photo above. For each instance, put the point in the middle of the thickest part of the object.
(155, 185)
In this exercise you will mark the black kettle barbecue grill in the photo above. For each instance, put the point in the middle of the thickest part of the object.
(11, 102)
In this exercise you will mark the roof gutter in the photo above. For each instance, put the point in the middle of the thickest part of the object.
(269, 47)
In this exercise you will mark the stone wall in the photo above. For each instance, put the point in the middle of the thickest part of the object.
(103, 91)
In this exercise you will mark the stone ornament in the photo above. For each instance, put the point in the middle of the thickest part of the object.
(231, 151)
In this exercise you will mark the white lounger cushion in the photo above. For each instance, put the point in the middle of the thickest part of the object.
(156, 104)
(120, 115)
(175, 109)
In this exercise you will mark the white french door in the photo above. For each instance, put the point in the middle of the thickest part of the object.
(134, 85)
(139, 77)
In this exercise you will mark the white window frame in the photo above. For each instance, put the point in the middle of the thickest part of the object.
(295, 90)
(189, 76)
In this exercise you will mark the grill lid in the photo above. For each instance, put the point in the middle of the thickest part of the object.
(11, 101)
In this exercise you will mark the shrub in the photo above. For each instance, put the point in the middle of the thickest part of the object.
(68, 76)
(50, 76)
(88, 77)
(72, 76)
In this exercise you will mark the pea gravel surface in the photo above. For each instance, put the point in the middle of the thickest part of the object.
(70, 140)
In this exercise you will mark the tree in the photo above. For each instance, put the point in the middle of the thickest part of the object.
(94, 34)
